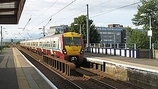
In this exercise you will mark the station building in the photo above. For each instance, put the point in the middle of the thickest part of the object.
(113, 34)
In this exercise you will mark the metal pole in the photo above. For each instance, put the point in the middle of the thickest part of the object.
(102, 37)
(80, 29)
(43, 31)
(1, 36)
(87, 26)
(150, 49)
(150, 30)
(114, 39)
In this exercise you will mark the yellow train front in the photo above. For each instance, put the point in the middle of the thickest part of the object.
(73, 47)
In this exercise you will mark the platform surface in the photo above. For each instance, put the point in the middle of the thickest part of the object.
(143, 63)
(17, 73)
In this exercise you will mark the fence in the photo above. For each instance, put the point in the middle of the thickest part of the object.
(110, 45)
(126, 50)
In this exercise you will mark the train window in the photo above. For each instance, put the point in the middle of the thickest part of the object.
(36, 44)
(54, 45)
(48, 45)
(51, 45)
(67, 40)
(72, 41)
(40, 43)
(77, 40)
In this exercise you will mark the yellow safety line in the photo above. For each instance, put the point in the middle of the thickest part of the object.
(22, 82)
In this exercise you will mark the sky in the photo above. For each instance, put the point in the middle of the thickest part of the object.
(39, 13)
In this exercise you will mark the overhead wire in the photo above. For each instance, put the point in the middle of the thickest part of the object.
(38, 17)
(48, 22)
(56, 13)
(27, 23)
(105, 12)
(111, 10)
(45, 11)
(100, 4)
(25, 27)
(84, 10)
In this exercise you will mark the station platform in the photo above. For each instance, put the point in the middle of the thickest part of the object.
(138, 63)
(17, 73)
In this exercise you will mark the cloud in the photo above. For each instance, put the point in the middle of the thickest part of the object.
(40, 12)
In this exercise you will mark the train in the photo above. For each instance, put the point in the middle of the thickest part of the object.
(66, 46)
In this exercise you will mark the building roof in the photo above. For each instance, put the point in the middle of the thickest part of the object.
(10, 11)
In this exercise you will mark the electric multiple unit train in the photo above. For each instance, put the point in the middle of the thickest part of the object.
(67, 46)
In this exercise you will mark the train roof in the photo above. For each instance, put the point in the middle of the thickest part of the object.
(56, 35)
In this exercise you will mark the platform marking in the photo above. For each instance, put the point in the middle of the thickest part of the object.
(22, 83)
(43, 76)
(4, 62)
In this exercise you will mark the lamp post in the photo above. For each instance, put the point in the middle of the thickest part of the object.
(80, 29)
(44, 33)
(87, 22)
(150, 35)
(1, 37)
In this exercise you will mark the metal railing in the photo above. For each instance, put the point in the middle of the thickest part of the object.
(117, 45)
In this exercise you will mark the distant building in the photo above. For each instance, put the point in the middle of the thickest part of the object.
(114, 33)
(114, 25)
(57, 29)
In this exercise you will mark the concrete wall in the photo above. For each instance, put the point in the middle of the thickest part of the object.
(155, 54)
(144, 53)
(142, 78)
(117, 72)
(145, 78)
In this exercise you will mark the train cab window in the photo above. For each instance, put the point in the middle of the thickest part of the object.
(77, 40)
(67, 40)
(72, 41)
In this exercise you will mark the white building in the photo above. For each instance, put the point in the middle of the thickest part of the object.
(57, 29)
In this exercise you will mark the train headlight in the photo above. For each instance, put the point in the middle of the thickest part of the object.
(64, 51)
(82, 51)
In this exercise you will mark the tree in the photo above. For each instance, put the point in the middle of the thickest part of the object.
(138, 37)
(81, 20)
(148, 8)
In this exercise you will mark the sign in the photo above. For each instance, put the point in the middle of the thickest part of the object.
(149, 32)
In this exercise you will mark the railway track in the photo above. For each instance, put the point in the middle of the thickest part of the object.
(92, 80)
(55, 77)
(81, 79)
(107, 83)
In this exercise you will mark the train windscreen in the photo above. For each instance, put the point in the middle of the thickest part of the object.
(71, 41)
